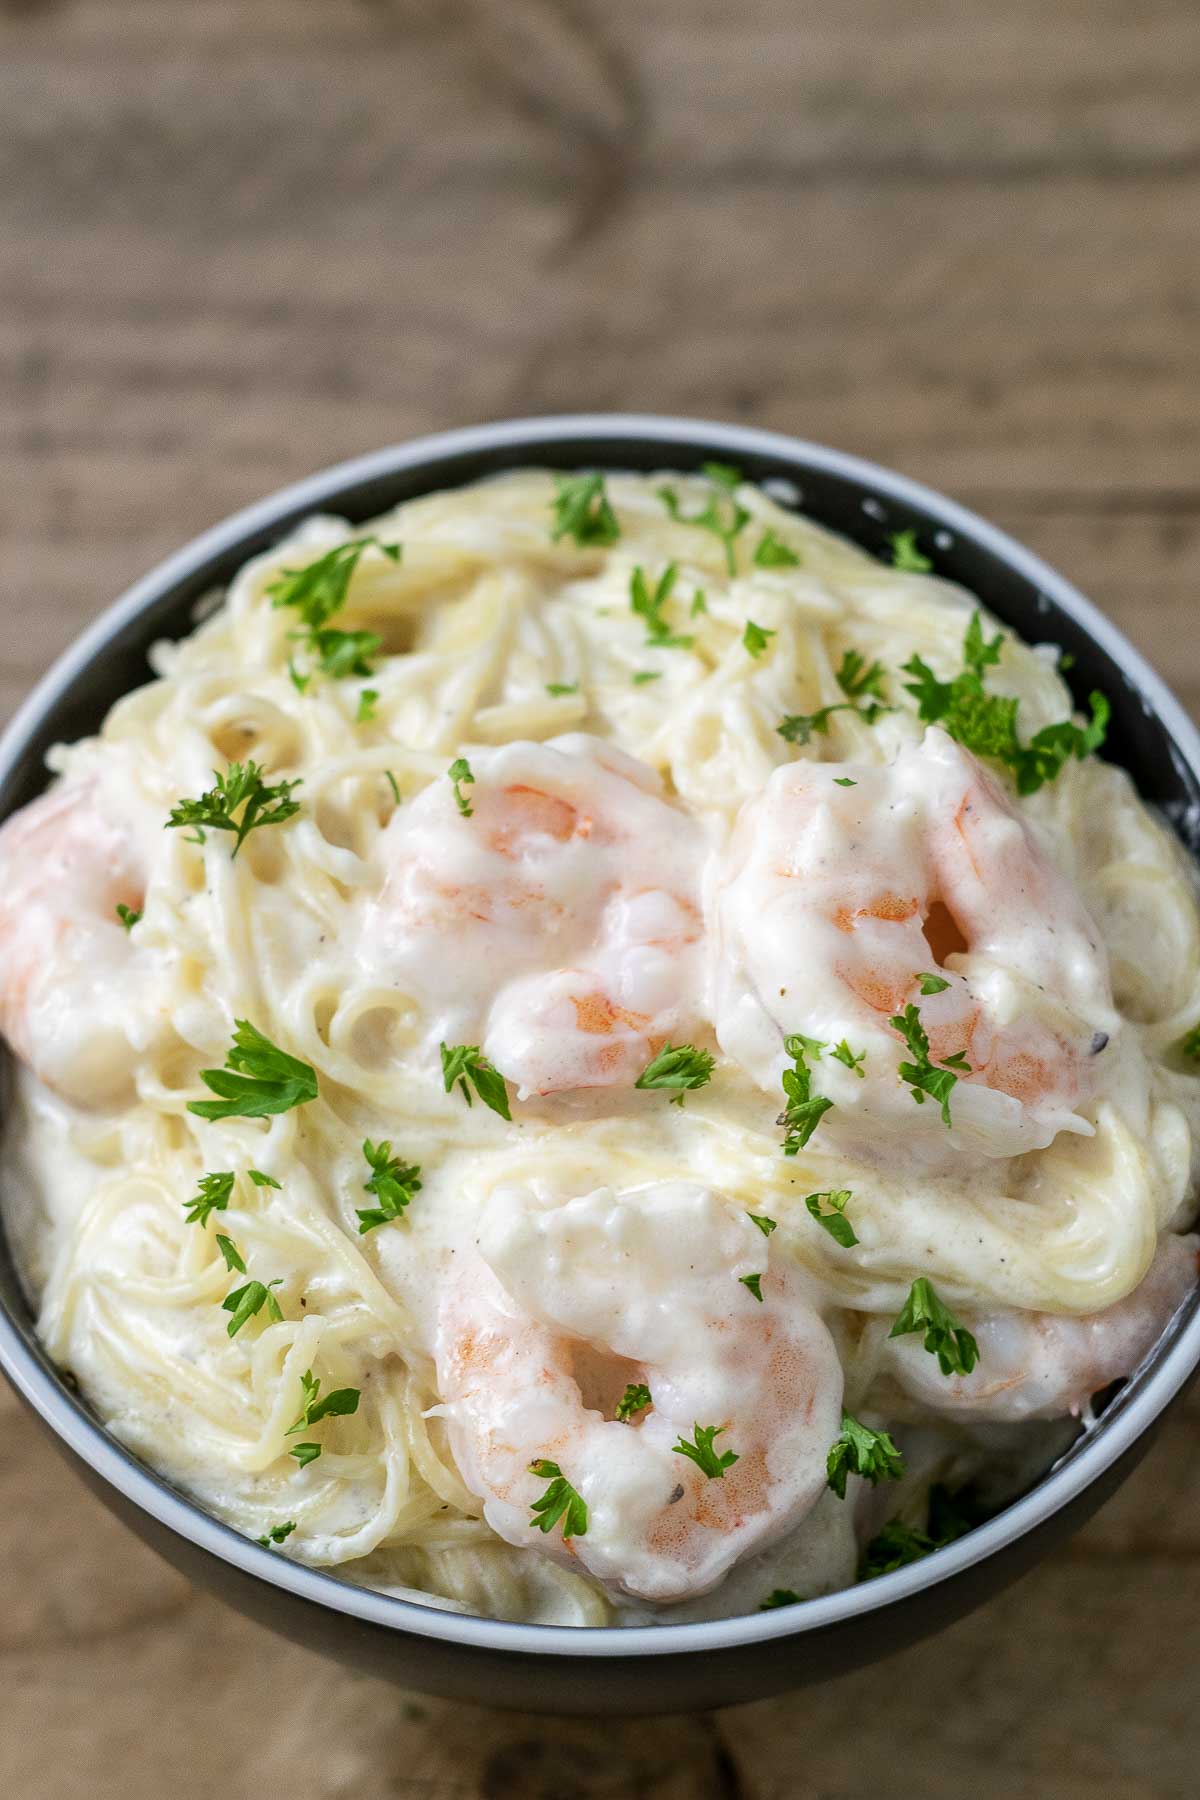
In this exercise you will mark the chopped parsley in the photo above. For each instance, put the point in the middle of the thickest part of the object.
(829, 1210)
(243, 789)
(770, 553)
(724, 517)
(391, 781)
(952, 1344)
(557, 689)
(635, 1399)
(316, 592)
(645, 675)
(699, 603)
(933, 984)
(260, 1180)
(212, 1195)
(844, 781)
(127, 916)
(1189, 1044)
(258, 1078)
(765, 1225)
(859, 1450)
(393, 1182)
(315, 1406)
(780, 1597)
(701, 1452)
(920, 1074)
(853, 1059)
(898, 1545)
(856, 679)
(987, 723)
(299, 682)
(464, 1063)
(648, 603)
(276, 1534)
(754, 1283)
(560, 1501)
(245, 1302)
(368, 699)
(677, 1066)
(862, 684)
(231, 1253)
(798, 728)
(305, 1453)
(459, 774)
(804, 1110)
(582, 511)
(905, 554)
(756, 638)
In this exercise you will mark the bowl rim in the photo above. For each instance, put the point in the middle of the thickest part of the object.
(42, 1387)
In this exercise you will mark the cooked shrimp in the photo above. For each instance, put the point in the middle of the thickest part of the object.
(564, 1305)
(66, 862)
(1045, 1365)
(557, 923)
(843, 886)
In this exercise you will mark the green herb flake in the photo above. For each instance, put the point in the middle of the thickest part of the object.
(127, 916)
(921, 1074)
(560, 1501)
(305, 1453)
(723, 516)
(952, 1344)
(246, 1302)
(258, 1079)
(765, 1225)
(276, 1534)
(933, 984)
(464, 1063)
(635, 1399)
(677, 1066)
(844, 781)
(860, 1450)
(1189, 1044)
(231, 1253)
(459, 774)
(319, 588)
(644, 675)
(391, 781)
(648, 602)
(558, 690)
(368, 699)
(828, 1208)
(240, 789)
(582, 511)
(702, 1453)
(212, 1195)
(754, 1283)
(853, 1059)
(857, 680)
(756, 638)
(804, 1110)
(905, 554)
(898, 1544)
(770, 553)
(780, 1597)
(315, 1406)
(261, 1181)
(393, 1182)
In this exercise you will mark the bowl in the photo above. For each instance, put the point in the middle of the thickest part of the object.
(645, 1669)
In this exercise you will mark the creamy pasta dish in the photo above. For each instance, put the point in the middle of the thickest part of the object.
(589, 1053)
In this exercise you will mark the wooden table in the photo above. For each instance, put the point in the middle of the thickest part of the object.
(239, 241)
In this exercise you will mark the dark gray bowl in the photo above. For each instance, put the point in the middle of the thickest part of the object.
(669, 1668)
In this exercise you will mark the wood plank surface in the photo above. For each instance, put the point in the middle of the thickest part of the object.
(240, 239)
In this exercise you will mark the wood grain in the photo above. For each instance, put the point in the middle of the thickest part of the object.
(243, 238)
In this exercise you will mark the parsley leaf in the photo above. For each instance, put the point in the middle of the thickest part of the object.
(212, 1196)
(635, 1399)
(463, 1063)
(459, 773)
(344, 653)
(905, 554)
(368, 699)
(677, 1066)
(770, 553)
(1189, 1044)
(898, 1544)
(844, 781)
(644, 675)
(393, 1182)
(952, 1344)
(556, 689)
(723, 525)
(755, 638)
(780, 1597)
(245, 1302)
(319, 589)
(754, 1283)
(240, 788)
(855, 678)
(804, 1110)
(391, 781)
(276, 1534)
(648, 603)
(798, 728)
(933, 984)
(582, 511)
(921, 1075)
(261, 1181)
(834, 1220)
(127, 916)
(765, 1225)
(231, 1253)
(560, 1501)
(258, 1078)
(853, 1059)
(340, 1403)
(702, 1453)
(726, 475)
(859, 1450)
(305, 1453)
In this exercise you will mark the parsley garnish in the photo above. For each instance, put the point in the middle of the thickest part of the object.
(368, 699)
(699, 604)
(335, 1405)
(393, 1182)
(276, 1534)
(305, 1453)
(798, 728)
(853, 1059)
(127, 916)
(844, 781)
(769, 553)
(260, 1180)
(677, 1066)
(780, 1597)
(231, 1253)
(1189, 1044)
(581, 510)
(635, 1399)
(834, 1220)
(856, 679)
(858, 1450)
(860, 682)
(560, 1501)
(921, 1075)
(933, 984)
(726, 475)
(905, 554)
(804, 1110)
(211, 1196)
(241, 787)
(299, 682)
(987, 723)
(245, 1302)
(319, 589)
(391, 781)
(459, 773)
(258, 1078)
(898, 1544)
(754, 1283)
(765, 1225)
(724, 526)
(648, 602)
(463, 1063)
(556, 689)
(755, 638)
(703, 1454)
(952, 1344)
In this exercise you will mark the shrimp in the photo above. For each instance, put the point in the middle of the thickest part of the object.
(843, 886)
(557, 922)
(563, 1305)
(1045, 1365)
(66, 861)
